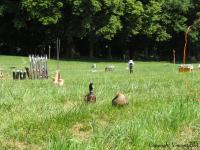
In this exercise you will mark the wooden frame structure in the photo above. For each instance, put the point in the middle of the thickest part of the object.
(38, 67)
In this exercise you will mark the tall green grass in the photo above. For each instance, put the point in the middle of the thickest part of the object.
(35, 114)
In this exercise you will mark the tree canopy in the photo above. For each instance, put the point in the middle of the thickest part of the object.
(98, 28)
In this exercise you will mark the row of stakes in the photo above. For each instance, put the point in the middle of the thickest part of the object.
(112, 67)
(119, 99)
(57, 80)
(22, 75)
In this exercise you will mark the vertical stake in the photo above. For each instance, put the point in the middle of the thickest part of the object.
(49, 52)
(58, 51)
(174, 55)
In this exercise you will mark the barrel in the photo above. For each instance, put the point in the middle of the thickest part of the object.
(16, 75)
(22, 75)
(19, 75)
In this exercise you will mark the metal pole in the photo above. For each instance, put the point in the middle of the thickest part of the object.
(185, 46)
(186, 39)
(46, 66)
(31, 68)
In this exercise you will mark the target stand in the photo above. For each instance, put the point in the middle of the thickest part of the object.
(185, 68)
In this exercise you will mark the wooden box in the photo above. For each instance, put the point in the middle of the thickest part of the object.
(185, 68)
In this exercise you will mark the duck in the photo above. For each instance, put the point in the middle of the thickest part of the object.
(57, 79)
(119, 100)
(1, 75)
(90, 97)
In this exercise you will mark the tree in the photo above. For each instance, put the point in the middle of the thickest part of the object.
(45, 11)
(131, 21)
(98, 19)
(130, 24)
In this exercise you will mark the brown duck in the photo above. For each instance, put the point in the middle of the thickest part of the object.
(90, 97)
(1, 75)
(119, 100)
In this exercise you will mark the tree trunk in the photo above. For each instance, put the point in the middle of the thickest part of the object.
(130, 53)
(71, 51)
(146, 53)
(109, 52)
(91, 52)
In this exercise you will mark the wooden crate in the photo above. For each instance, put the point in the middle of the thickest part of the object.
(185, 68)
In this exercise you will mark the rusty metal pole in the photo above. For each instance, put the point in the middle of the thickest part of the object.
(186, 39)
(185, 46)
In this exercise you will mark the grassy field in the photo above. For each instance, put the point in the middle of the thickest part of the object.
(35, 114)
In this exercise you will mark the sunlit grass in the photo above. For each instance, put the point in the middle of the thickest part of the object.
(35, 114)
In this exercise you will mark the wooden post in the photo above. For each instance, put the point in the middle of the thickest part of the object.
(33, 66)
(174, 56)
(58, 51)
(30, 70)
(46, 67)
(49, 52)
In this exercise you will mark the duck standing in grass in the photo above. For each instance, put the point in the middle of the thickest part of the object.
(90, 97)
(119, 100)
(1, 75)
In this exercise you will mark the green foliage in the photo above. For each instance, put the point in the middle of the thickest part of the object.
(132, 20)
(46, 11)
(195, 34)
(177, 21)
(111, 28)
(153, 21)
(98, 18)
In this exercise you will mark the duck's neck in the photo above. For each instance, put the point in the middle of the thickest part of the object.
(91, 91)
